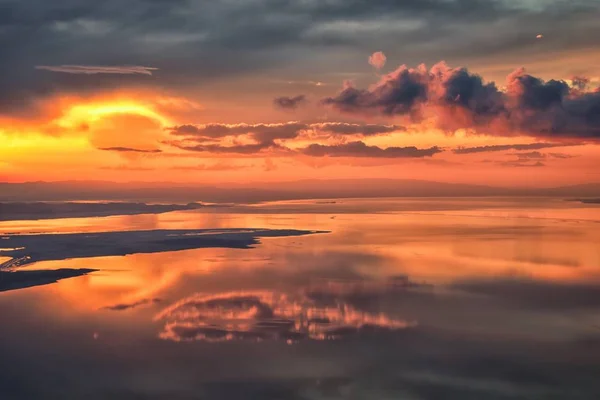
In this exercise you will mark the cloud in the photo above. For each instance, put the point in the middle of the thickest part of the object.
(532, 155)
(360, 149)
(263, 133)
(519, 163)
(128, 306)
(561, 155)
(233, 149)
(290, 103)
(344, 128)
(98, 69)
(504, 147)
(580, 82)
(190, 44)
(457, 99)
(398, 93)
(129, 149)
(208, 138)
(377, 59)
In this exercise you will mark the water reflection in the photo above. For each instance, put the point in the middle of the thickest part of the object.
(267, 315)
(497, 301)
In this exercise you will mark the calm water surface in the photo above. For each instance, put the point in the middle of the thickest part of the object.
(400, 299)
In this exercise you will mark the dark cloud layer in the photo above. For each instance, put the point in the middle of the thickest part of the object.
(270, 132)
(189, 42)
(459, 99)
(205, 138)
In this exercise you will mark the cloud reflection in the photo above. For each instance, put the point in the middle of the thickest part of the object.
(128, 306)
(267, 315)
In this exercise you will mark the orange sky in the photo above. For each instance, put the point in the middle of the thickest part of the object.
(128, 135)
(218, 92)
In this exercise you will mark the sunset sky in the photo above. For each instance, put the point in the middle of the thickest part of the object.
(503, 92)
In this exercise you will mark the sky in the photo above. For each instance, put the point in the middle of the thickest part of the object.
(496, 92)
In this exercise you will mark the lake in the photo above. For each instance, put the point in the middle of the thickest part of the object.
(415, 298)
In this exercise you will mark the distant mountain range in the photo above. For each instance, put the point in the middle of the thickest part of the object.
(249, 193)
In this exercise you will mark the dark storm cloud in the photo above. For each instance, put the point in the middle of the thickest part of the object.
(458, 99)
(360, 149)
(406, 90)
(290, 103)
(129, 150)
(398, 93)
(190, 43)
(504, 147)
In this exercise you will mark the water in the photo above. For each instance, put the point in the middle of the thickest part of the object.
(396, 299)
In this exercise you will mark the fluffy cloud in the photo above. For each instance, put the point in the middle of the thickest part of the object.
(377, 59)
(455, 98)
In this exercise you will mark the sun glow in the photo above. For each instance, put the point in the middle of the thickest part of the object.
(90, 113)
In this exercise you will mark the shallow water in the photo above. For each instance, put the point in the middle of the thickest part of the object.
(400, 299)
